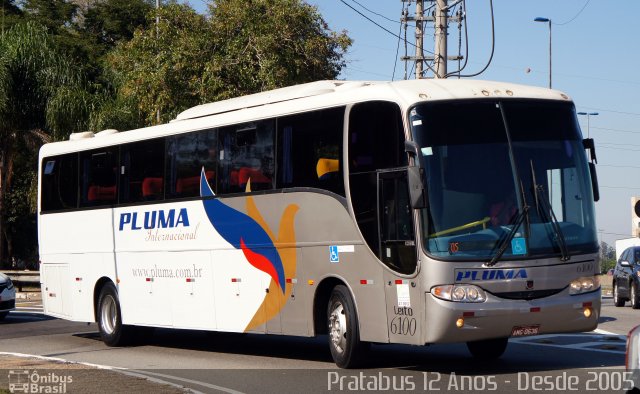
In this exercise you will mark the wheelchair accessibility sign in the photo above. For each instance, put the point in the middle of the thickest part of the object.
(335, 250)
(518, 246)
(334, 255)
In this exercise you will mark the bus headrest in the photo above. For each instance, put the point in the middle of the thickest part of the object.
(326, 166)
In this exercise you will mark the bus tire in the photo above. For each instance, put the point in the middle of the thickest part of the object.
(112, 331)
(344, 337)
(617, 300)
(488, 349)
(3, 315)
(634, 296)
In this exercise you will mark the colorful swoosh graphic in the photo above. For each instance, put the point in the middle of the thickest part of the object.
(244, 233)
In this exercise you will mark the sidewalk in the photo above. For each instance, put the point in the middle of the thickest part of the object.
(50, 376)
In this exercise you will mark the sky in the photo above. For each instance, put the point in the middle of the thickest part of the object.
(596, 56)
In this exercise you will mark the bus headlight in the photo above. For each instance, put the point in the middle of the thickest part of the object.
(584, 285)
(459, 293)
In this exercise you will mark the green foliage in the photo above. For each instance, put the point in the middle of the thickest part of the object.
(109, 22)
(266, 44)
(42, 97)
(162, 72)
(243, 47)
(40, 88)
(20, 204)
(55, 15)
(10, 14)
(607, 257)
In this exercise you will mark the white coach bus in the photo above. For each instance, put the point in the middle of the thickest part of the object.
(411, 212)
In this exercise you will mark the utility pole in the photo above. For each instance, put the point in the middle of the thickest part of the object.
(419, 38)
(440, 48)
(440, 17)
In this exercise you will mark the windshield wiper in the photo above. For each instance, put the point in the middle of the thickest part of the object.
(523, 213)
(549, 215)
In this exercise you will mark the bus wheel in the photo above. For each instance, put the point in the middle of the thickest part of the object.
(344, 338)
(617, 301)
(112, 331)
(634, 296)
(488, 349)
(3, 315)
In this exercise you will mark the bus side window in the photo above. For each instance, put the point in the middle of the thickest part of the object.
(99, 172)
(310, 150)
(142, 171)
(247, 157)
(59, 183)
(187, 155)
(376, 142)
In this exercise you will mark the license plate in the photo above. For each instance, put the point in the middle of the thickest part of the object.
(521, 331)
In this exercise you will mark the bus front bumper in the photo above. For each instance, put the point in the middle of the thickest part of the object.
(498, 318)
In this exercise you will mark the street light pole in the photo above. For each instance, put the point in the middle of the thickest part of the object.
(589, 115)
(547, 20)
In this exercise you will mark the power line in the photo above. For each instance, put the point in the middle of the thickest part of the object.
(375, 23)
(376, 13)
(614, 143)
(395, 63)
(611, 110)
(608, 233)
(616, 130)
(493, 47)
(620, 187)
(603, 146)
(578, 14)
(616, 166)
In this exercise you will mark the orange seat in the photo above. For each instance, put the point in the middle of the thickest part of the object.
(101, 193)
(152, 187)
(191, 185)
(256, 176)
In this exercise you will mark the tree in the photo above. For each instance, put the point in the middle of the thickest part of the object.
(607, 257)
(159, 72)
(266, 44)
(109, 22)
(10, 14)
(58, 17)
(41, 99)
(243, 47)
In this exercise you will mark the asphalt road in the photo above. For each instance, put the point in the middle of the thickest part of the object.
(218, 362)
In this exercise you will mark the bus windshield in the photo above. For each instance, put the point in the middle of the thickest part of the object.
(508, 175)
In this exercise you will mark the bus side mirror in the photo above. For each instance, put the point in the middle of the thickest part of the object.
(417, 193)
(590, 145)
(594, 182)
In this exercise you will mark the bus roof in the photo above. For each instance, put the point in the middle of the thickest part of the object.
(425, 89)
(306, 97)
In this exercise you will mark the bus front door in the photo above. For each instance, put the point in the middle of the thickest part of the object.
(397, 250)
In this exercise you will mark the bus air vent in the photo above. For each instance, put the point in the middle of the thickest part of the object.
(528, 295)
(106, 132)
(81, 136)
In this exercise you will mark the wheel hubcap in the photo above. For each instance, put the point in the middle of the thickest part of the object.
(615, 293)
(338, 328)
(109, 315)
(633, 295)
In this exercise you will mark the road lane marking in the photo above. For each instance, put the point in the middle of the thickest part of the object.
(197, 382)
(600, 340)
